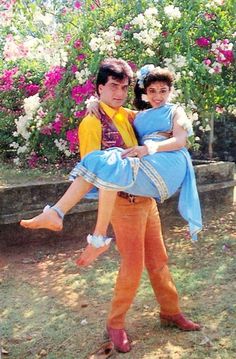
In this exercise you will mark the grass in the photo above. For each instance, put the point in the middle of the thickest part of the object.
(52, 309)
(10, 175)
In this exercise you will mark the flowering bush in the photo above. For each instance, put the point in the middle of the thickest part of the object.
(50, 53)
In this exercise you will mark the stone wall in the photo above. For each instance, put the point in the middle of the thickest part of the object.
(215, 184)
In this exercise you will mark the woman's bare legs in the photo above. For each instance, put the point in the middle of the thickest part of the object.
(105, 208)
(50, 219)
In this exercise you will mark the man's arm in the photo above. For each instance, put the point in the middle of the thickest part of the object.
(90, 135)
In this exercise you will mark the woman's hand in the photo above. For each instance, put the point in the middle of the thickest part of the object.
(92, 107)
(136, 151)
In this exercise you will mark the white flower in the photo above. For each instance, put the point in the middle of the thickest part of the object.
(214, 3)
(83, 75)
(62, 146)
(172, 11)
(47, 19)
(177, 76)
(22, 149)
(149, 26)
(151, 11)
(14, 145)
(105, 41)
(67, 153)
(22, 126)
(208, 128)
(31, 104)
(150, 52)
(17, 161)
(140, 21)
(180, 61)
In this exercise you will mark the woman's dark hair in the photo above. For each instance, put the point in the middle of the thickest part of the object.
(156, 75)
(116, 68)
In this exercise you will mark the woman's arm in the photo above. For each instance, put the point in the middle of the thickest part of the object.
(177, 141)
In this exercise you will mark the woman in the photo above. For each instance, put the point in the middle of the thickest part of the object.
(157, 168)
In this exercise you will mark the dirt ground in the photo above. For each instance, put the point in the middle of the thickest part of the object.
(51, 309)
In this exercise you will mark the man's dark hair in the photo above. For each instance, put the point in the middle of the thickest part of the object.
(118, 69)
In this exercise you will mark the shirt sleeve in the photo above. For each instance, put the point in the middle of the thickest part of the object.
(90, 135)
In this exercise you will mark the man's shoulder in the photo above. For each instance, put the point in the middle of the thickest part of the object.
(90, 120)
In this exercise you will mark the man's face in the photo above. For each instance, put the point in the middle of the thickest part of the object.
(114, 92)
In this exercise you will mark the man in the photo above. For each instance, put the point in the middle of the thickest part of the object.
(135, 219)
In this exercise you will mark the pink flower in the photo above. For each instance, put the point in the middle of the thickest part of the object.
(52, 78)
(72, 137)
(81, 57)
(209, 16)
(68, 38)
(217, 68)
(80, 114)
(6, 80)
(207, 62)
(31, 89)
(79, 92)
(77, 44)
(119, 33)
(92, 7)
(41, 113)
(46, 130)
(203, 41)
(57, 124)
(77, 4)
(127, 27)
(64, 11)
(133, 66)
(165, 33)
(21, 82)
(219, 109)
(225, 57)
(74, 69)
(32, 161)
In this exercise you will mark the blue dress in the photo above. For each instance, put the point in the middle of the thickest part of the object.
(159, 175)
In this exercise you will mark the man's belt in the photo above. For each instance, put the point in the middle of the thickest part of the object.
(131, 198)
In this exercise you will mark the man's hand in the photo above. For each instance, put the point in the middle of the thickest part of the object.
(136, 151)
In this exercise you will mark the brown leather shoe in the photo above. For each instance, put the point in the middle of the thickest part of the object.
(178, 321)
(119, 339)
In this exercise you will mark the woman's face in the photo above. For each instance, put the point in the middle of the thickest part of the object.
(158, 93)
